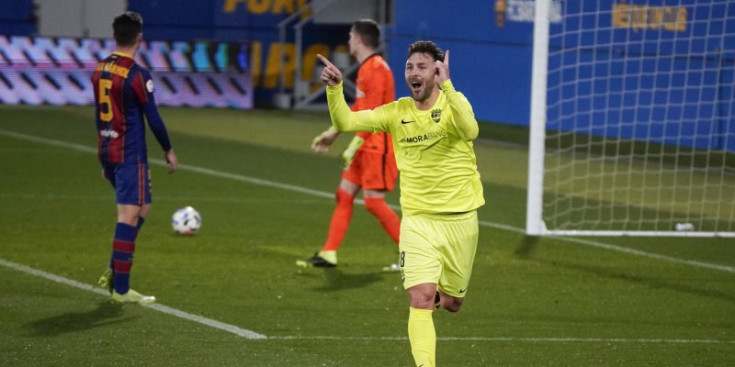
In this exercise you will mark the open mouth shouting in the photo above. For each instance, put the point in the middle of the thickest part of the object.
(418, 89)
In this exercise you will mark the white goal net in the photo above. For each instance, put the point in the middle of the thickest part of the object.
(633, 119)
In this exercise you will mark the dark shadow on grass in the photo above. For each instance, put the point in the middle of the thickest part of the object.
(338, 281)
(527, 246)
(651, 282)
(106, 313)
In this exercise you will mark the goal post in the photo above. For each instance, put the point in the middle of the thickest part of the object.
(632, 120)
(534, 203)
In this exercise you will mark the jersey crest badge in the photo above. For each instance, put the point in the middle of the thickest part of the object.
(436, 115)
(149, 85)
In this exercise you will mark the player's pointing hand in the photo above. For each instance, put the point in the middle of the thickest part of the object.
(443, 68)
(330, 75)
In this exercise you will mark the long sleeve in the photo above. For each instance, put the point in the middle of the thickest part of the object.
(143, 88)
(156, 124)
(343, 119)
(464, 118)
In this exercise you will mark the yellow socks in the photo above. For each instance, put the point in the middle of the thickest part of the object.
(422, 336)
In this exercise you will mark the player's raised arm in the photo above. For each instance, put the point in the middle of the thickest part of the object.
(442, 68)
(464, 117)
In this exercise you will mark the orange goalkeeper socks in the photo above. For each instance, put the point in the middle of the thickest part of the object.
(340, 220)
(387, 217)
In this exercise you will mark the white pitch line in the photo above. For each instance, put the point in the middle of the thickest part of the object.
(328, 195)
(626, 250)
(158, 307)
(649, 255)
(515, 339)
(248, 334)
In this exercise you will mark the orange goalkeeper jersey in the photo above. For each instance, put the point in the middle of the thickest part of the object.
(375, 87)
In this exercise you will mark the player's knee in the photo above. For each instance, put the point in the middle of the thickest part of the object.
(144, 210)
(421, 299)
(422, 302)
(343, 197)
(452, 304)
(128, 214)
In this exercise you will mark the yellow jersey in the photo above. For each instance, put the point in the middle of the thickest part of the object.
(433, 148)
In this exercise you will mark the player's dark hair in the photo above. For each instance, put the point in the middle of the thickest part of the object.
(426, 47)
(126, 27)
(369, 32)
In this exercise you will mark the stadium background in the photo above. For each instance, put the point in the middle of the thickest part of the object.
(534, 301)
(491, 41)
(492, 47)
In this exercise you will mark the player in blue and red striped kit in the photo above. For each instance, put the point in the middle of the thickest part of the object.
(123, 96)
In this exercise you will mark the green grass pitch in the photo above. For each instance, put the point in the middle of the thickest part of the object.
(266, 200)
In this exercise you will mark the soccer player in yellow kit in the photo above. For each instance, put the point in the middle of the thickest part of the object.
(432, 134)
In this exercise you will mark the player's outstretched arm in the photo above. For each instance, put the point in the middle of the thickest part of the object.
(343, 119)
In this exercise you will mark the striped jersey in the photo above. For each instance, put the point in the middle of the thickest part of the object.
(123, 93)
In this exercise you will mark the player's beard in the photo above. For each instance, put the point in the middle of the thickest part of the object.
(422, 93)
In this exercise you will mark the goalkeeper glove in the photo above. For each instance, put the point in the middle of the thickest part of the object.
(349, 153)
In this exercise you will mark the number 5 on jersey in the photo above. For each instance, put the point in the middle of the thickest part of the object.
(104, 100)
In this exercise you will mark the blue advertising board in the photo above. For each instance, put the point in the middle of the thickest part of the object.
(17, 17)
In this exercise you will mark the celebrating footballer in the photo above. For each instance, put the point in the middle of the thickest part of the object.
(432, 134)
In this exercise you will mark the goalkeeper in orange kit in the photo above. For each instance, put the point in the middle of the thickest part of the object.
(369, 163)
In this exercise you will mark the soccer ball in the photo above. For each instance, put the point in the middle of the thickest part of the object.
(186, 221)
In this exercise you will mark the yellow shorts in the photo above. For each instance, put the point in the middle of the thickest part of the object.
(439, 249)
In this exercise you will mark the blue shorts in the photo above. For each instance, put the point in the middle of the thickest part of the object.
(132, 182)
